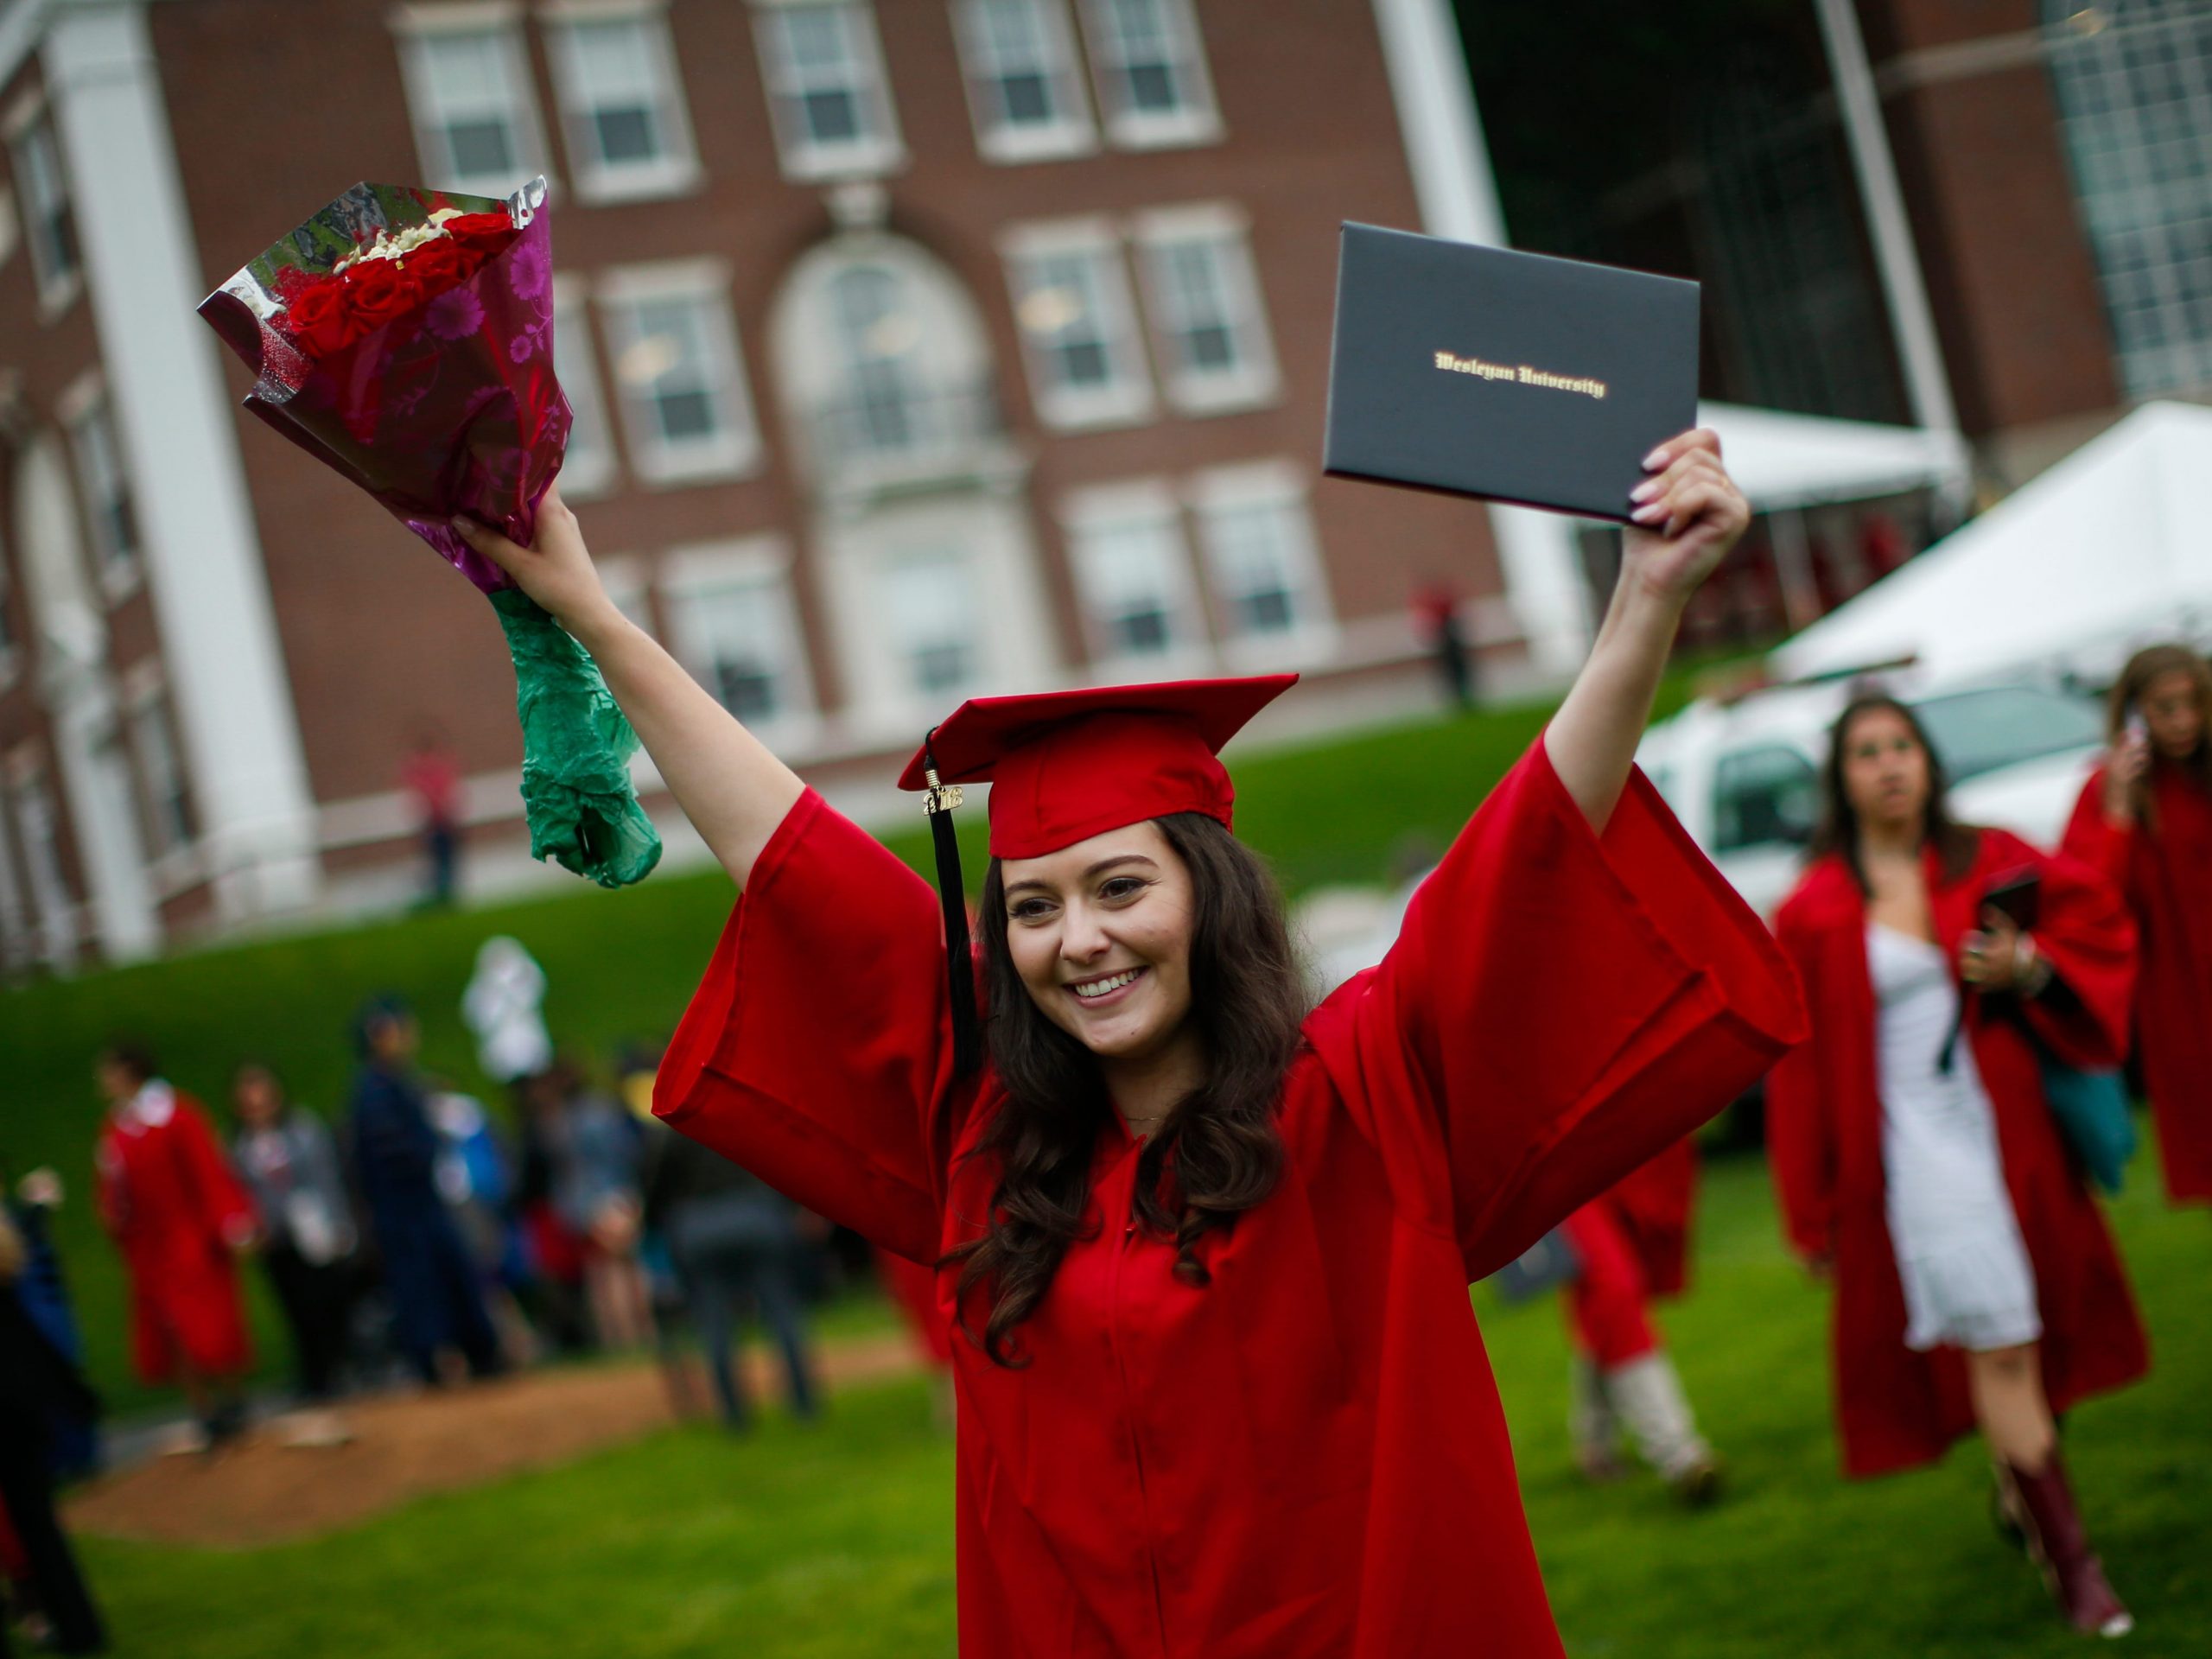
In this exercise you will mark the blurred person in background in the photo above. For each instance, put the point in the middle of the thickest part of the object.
(2144, 819)
(437, 1308)
(1632, 1246)
(734, 1240)
(1436, 621)
(431, 776)
(44, 1293)
(503, 1006)
(181, 1218)
(1918, 1162)
(475, 1177)
(36, 1380)
(290, 1165)
(592, 1146)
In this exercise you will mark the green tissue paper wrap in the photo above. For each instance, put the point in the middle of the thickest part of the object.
(576, 746)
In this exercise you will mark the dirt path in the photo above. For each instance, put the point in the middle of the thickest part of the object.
(263, 1492)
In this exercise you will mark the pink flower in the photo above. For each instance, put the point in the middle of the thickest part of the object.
(530, 271)
(455, 314)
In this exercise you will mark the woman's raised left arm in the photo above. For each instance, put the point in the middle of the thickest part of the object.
(1688, 514)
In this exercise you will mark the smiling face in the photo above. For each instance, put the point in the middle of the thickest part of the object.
(1100, 933)
(1884, 769)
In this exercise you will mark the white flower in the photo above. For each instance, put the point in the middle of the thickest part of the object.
(388, 246)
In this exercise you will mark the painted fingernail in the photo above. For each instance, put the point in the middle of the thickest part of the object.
(1644, 491)
(1655, 458)
(1645, 515)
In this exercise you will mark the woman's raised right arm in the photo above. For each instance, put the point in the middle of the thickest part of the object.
(732, 788)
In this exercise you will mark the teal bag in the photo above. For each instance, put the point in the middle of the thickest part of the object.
(2091, 1107)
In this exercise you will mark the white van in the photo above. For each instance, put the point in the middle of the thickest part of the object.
(1744, 776)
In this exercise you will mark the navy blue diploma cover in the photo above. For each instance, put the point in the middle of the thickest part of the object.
(1511, 376)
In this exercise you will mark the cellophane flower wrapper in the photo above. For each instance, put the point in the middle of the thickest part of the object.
(452, 407)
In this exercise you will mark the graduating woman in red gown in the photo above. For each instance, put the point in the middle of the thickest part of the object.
(1918, 1162)
(1221, 1391)
(2146, 820)
(181, 1219)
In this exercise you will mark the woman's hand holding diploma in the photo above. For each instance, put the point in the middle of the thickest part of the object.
(734, 791)
(1689, 514)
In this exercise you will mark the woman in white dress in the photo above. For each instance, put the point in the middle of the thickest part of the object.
(1914, 1148)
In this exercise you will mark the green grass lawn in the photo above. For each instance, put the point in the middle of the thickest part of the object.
(622, 967)
(837, 1540)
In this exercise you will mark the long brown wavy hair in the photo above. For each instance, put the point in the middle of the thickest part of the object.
(2144, 667)
(1955, 843)
(1217, 1153)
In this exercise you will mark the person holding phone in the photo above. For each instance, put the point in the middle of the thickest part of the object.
(2144, 819)
(1918, 1164)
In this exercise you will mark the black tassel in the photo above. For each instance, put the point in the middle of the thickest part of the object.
(959, 955)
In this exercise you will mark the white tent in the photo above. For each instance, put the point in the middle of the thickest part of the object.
(2110, 547)
(1783, 461)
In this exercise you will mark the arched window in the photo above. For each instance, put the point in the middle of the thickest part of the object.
(882, 362)
(885, 407)
(2133, 80)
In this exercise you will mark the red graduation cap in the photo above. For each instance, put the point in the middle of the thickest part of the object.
(1066, 766)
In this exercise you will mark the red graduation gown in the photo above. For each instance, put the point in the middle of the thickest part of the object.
(2166, 875)
(1895, 1407)
(168, 1196)
(1306, 1457)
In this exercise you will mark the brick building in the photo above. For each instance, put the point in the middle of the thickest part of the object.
(2056, 161)
(917, 348)
(926, 347)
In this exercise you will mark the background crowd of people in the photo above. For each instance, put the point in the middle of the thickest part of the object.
(412, 1236)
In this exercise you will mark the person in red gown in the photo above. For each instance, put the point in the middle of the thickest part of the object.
(2144, 819)
(1918, 1162)
(181, 1219)
(1632, 1247)
(1221, 1389)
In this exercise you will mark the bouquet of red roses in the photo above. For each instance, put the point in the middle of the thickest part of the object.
(404, 338)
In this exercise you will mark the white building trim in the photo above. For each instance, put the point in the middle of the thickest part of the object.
(233, 700)
(1427, 63)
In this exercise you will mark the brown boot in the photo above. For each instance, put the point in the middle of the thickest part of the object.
(2061, 1547)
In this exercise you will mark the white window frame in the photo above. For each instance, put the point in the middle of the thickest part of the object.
(57, 288)
(763, 565)
(417, 27)
(1253, 380)
(18, 934)
(11, 226)
(1127, 398)
(878, 149)
(1282, 485)
(12, 645)
(27, 792)
(675, 171)
(1070, 133)
(977, 645)
(118, 574)
(1198, 119)
(1136, 504)
(733, 451)
(592, 471)
(146, 699)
